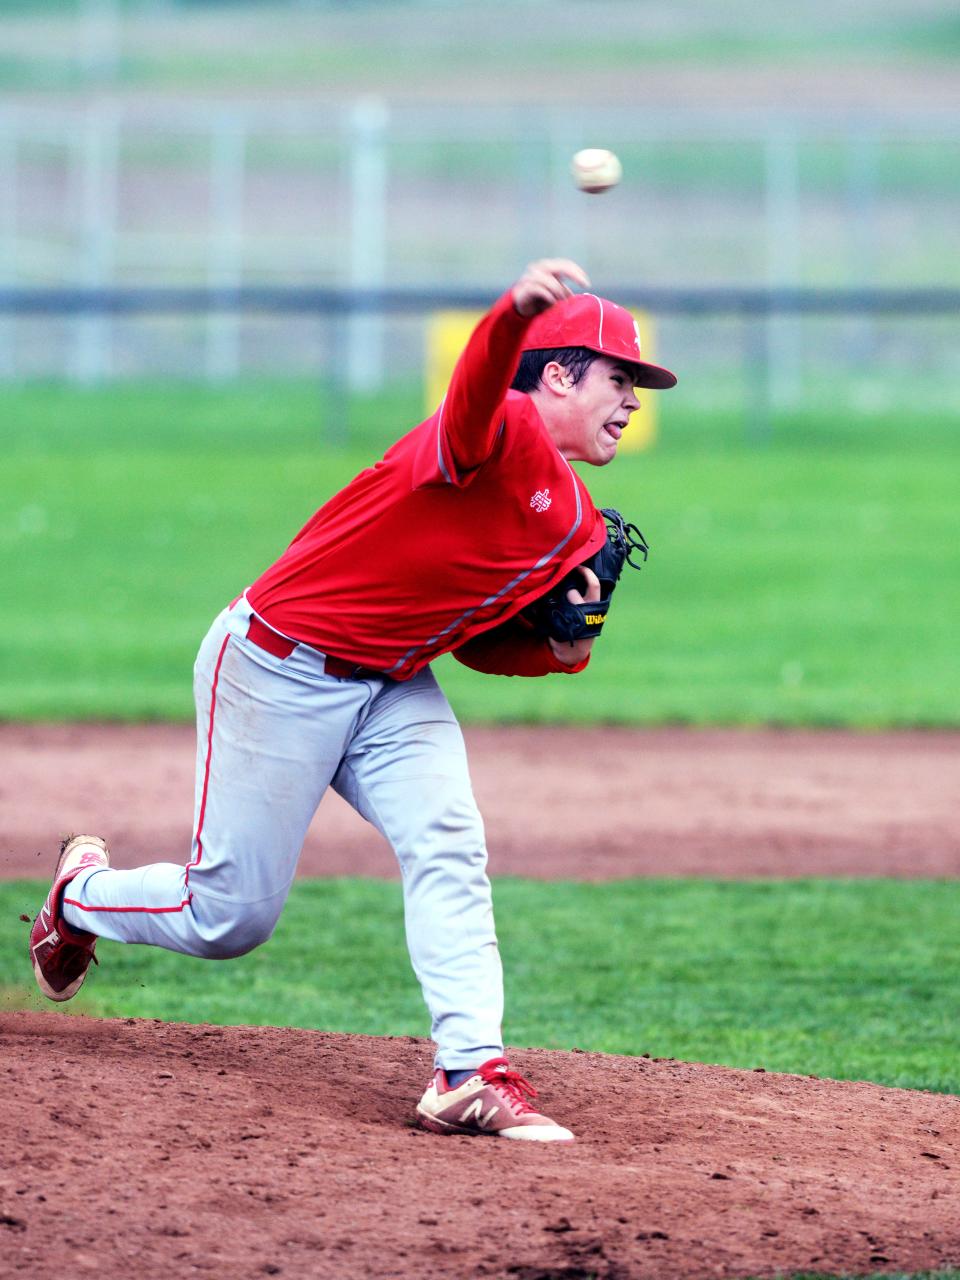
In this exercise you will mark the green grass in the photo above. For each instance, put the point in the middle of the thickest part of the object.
(703, 170)
(814, 580)
(847, 979)
(355, 49)
(874, 1275)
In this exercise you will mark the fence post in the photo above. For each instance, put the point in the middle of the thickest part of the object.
(783, 263)
(368, 233)
(756, 373)
(228, 144)
(99, 44)
(99, 145)
(8, 236)
(861, 210)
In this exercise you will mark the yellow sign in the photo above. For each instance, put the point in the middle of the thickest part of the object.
(642, 431)
(447, 335)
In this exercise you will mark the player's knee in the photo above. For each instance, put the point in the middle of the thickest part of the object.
(456, 836)
(232, 929)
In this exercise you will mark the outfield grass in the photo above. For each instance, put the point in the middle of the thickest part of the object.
(355, 50)
(874, 1275)
(848, 979)
(812, 580)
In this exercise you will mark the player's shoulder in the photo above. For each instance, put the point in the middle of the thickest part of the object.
(518, 404)
(521, 421)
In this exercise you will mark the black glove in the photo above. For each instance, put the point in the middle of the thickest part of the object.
(554, 616)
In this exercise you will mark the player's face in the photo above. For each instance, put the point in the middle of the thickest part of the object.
(600, 405)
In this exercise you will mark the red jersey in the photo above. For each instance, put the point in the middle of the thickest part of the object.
(465, 520)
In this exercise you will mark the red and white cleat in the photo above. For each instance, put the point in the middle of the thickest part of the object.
(493, 1101)
(61, 956)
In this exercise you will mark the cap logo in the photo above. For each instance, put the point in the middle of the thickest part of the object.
(636, 330)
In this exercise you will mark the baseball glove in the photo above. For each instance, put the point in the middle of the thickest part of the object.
(554, 616)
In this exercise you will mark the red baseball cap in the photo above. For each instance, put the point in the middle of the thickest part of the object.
(599, 325)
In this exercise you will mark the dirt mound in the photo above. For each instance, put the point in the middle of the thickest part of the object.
(583, 803)
(152, 1149)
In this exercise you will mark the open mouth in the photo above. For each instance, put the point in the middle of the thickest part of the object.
(615, 429)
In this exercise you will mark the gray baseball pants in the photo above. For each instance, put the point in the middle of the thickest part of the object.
(272, 735)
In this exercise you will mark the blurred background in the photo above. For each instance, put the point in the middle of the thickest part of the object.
(224, 229)
(362, 145)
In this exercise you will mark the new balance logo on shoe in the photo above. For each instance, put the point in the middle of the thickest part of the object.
(50, 939)
(475, 1112)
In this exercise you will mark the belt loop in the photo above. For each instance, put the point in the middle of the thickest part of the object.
(265, 638)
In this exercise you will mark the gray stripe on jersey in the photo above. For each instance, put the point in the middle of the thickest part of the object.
(440, 462)
(468, 613)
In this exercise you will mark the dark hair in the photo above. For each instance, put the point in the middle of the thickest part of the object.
(576, 361)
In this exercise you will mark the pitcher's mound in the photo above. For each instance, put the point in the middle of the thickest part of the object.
(157, 1150)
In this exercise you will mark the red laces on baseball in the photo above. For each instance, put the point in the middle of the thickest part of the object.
(511, 1083)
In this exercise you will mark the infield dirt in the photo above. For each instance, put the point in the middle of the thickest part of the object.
(138, 1148)
(134, 1148)
(581, 803)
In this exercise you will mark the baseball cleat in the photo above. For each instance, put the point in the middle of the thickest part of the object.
(493, 1101)
(61, 956)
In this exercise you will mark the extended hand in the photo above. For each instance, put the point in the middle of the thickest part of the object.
(543, 283)
(571, 653)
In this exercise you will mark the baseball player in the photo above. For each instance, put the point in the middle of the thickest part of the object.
(319, 675)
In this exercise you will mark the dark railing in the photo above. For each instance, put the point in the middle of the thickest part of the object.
(753, 306)
(712, 301)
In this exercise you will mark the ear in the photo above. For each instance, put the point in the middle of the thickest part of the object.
(556, 378)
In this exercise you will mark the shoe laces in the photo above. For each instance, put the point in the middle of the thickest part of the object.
(498, 1073)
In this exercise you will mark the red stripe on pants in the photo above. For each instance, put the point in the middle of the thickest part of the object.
(203, 808)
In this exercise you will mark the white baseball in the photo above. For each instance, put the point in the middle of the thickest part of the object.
(595, 169)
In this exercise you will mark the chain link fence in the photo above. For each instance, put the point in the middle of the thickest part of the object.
(133, 190)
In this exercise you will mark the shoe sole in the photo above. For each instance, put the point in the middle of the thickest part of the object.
(76, 842)
(68, 992)
(59, 996)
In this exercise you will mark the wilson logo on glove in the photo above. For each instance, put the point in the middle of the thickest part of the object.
(556, 617)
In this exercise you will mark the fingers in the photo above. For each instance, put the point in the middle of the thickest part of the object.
(592, 583)
(570, 655)
(544, 282)
(564, 267)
